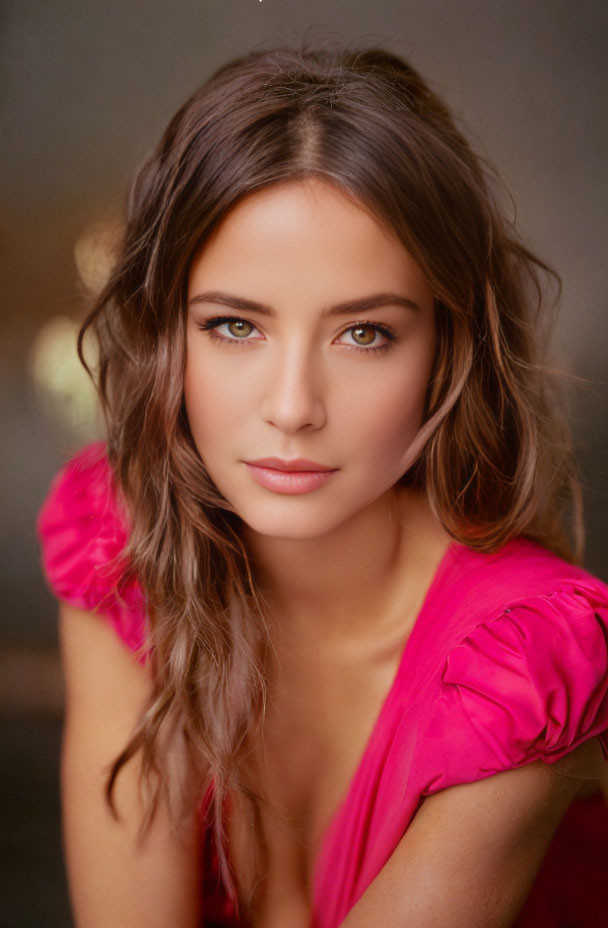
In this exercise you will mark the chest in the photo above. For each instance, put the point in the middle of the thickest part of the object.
(320, 715)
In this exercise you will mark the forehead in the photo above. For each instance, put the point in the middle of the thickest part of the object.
(297, 232)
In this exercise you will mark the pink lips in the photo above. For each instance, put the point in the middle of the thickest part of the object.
(297, 476)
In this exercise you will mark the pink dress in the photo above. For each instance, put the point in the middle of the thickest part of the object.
(507, 663)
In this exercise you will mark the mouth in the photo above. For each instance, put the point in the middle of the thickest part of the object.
(289, 477)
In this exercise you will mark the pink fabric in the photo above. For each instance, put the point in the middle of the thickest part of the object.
(507, 663)
(83, 530)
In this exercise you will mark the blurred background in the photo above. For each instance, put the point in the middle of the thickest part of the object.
(88, 87)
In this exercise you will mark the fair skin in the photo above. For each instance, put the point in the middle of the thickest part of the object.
(113, 880)
(344, 569)
(299, 383)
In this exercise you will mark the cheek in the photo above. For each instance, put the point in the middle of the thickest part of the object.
(389, 424)
(387, 416)
(215, 384)
(219, 406)
(202, 406)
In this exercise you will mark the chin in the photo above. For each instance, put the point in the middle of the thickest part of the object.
(291, 529)
(301, 518)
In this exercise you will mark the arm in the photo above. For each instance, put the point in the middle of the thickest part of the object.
(113, 880)
(472, 851)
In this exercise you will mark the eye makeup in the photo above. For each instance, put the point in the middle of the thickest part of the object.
(211, 325)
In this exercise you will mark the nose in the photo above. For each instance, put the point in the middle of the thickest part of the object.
(293, 395)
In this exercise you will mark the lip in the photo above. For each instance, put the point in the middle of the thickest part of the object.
(289, 482)
(295, 466)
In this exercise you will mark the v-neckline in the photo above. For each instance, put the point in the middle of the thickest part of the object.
(445, 562)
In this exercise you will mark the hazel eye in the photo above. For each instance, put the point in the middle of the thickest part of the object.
(370, 337)
(239, 327)
(367, 337)
(235, 329)
(364, 334)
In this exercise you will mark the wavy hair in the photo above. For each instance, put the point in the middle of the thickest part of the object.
(493, 456)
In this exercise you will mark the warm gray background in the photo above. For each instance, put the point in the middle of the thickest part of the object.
(87, 87)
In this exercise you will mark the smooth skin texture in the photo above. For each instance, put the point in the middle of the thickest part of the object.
(303, 381)
(471, 853)
(113, 880)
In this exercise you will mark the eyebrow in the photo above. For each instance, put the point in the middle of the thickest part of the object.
(364, 304)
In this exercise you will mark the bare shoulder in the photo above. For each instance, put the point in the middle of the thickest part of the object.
(99, 670)
(114, 878)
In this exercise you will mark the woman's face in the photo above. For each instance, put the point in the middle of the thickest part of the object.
(279, 365)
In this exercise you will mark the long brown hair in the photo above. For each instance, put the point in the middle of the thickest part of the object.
(494, 457)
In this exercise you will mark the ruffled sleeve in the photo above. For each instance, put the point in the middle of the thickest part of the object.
(82, 532)
(531, 683)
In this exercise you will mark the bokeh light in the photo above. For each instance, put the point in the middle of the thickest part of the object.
(63, 388)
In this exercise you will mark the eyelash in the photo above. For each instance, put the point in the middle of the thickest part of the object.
(211, 324)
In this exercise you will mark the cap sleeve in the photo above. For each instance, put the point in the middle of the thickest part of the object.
(529, 684)
(82, 531)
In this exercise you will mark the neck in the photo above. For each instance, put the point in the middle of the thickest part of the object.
(357, 578)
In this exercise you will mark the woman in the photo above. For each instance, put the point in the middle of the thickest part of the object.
(329, 525)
